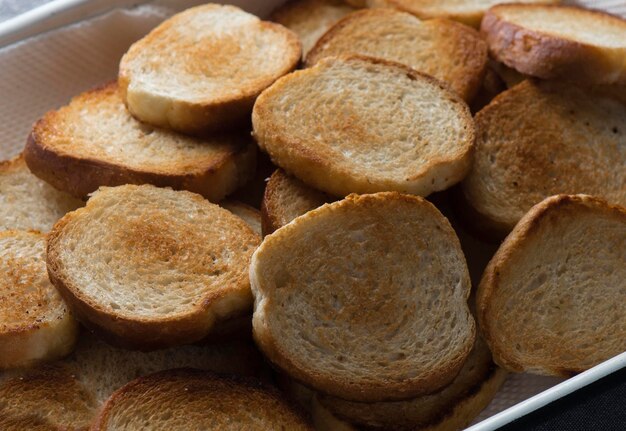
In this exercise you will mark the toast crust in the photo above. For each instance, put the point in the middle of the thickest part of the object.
(222, 105)
(35, 323)
(63, 156)
(549, 350)
(146, 244)
(315, 156)
(280, 290)
(199, 399)
(460, 52)
(286, 198)
(549, 55)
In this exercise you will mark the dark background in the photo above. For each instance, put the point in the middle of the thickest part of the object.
(600, 406)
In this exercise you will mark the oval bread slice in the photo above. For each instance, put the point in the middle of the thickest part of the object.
(286, 198)
(553, 298)
(95, 142)
(35, 323)
(28, 203)
(365, 298)
(358, 124)
(201, 69)
(454, 407)
(449, 51)
(310, 19)
(149, 267)
(184, 399)
(469, 12)
(539, 139)
(558, 42)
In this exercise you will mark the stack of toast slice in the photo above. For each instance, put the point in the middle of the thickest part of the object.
(338, 311)
(351, 276)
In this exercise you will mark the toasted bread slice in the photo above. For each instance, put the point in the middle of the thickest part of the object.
(469, 12)
(184, 399)
(35, 323)
(454, 407)
(201, 70)
(558, 42)
(340, 292)
(539, 139)
(449, 51)
(358, 124)
(94, 141)
(286, 198)
(310, 19)
(250, 215)
(26, 202)
(149, 267)
(553, 299)
(68, 393)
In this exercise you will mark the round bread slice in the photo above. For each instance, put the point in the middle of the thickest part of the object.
(469, 12)
(454, 407)
(250, 215)
(286, 198)
(95, 142)
(558, 42)
(35, 323)
(365, 298)
(188, 399)
(310, 19)
(540, 139)
(150, 267)
(202, 69)
(28, 203)
(363, 125)
(553, 298)
(449, 51)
